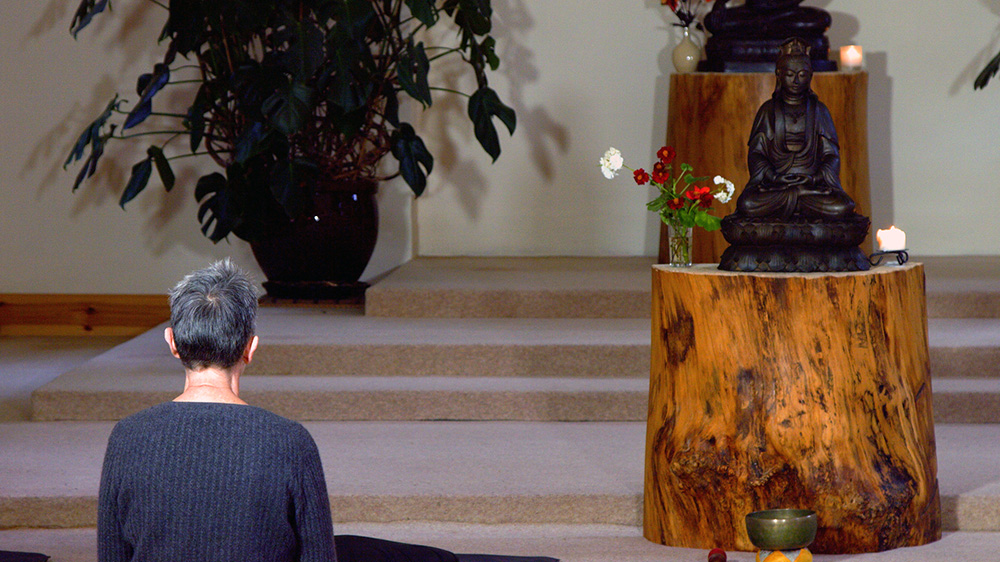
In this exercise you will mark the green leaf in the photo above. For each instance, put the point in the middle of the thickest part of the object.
(148, 85)
(988, 72)
(84, 13)
(252, 142)
(488, 47)
(288, 109)
(219, 210)
(140, 177)
(423, 10)
(162, 166)
(483, 106)
(707, 221)
(92, 134)
(195, 120)
(412, 71)
(415, 161)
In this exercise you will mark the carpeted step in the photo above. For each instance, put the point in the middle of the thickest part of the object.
(614, 287)
(94, 396)
(333, 365)
(511, 287)
(499, 473)
(963, 286)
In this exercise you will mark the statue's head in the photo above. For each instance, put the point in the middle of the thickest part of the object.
(794, 67)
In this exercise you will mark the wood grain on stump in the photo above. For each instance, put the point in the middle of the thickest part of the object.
(709, 120)
(791, 390)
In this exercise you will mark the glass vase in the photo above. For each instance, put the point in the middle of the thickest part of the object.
(679, 242)
(686, 54)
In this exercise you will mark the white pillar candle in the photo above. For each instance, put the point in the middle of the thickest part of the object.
(851, 57)
(891, 240)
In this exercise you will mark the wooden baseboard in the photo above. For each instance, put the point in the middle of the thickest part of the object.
(80, 315)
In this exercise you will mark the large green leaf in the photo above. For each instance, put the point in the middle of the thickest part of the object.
(162, 167)
(220, 209)
(483, 106)
(415, 161)
(423, 10)
(412, 70)
(288, 109)
(147, 87)
(137, 182)
(252, 142)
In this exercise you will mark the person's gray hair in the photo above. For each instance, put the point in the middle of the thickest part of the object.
(213, 315)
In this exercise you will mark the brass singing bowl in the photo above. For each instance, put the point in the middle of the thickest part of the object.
(782, 529)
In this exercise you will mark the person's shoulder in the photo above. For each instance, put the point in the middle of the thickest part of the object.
(143, 417)
(266, 420)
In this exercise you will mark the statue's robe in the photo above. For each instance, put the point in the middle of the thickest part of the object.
(769, 160)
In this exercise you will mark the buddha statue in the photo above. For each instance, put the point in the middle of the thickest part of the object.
(793, 155)
(793, 214)
(746, 38)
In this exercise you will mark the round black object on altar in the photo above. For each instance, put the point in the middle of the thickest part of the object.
(748, 38)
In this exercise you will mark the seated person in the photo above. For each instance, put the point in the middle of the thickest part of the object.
(767, 18)
(794, 159)
(209, 478)
(206, 476)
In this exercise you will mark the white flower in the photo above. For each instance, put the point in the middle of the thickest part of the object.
(611, 162)
(725, 194)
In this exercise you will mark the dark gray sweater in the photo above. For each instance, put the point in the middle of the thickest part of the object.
(212, 482)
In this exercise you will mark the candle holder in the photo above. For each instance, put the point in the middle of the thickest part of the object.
(851, 58)
(902, 256)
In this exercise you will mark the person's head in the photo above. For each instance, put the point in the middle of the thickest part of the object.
(212, 316)
(793, 68)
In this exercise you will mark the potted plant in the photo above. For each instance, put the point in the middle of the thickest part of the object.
(297, 101)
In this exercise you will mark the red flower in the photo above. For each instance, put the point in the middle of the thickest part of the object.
(671, 3)
(641, 177)
(661, 177)
(697, 193)
(661, 168)
(706, 200)
(676, 204)
(666, 154)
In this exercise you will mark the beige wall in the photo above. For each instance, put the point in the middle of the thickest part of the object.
(582, 76)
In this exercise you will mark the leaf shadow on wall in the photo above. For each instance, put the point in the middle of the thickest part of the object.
(545, 136)
(131, 34)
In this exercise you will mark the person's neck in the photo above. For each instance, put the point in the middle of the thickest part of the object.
(211, 385)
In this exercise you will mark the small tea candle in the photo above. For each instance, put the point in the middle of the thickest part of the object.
(891, 240)
(851, 57)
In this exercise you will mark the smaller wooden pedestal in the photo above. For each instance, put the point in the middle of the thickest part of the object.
(791, 390)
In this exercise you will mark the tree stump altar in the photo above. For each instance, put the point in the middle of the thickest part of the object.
(807, 390)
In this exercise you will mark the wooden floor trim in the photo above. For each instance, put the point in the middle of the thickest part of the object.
(23, 314)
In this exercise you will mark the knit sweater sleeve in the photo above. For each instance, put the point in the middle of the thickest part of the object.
(111, 544)
(313, 522)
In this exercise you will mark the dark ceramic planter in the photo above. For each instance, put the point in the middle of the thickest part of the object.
(324, 253)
